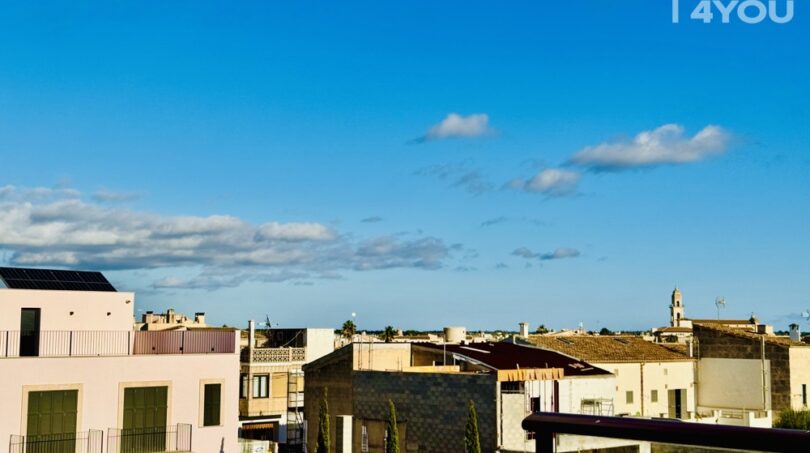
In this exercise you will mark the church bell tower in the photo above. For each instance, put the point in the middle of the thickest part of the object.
(676, 308)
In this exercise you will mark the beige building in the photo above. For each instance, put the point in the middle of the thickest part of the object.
(651, 380)
(170, 320)
(271, 389)
(76, 374)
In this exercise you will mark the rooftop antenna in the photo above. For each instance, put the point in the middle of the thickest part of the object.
(719, 302)
(806, 315)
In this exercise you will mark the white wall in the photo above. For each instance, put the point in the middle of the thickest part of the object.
(799, 374)
(320, 342)
(100, 381)
(660, 376)
(90, 309)
(733, 384)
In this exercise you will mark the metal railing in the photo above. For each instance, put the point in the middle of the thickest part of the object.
(64, 343)
(101, 343)
(82, 442)
(174, 438)
(274, 355)
(185, 342)
(546, 425)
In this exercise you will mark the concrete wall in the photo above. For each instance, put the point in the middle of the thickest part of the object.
(433, 407)
(92, 310)
(733, 384)
(333, 372)
(101, 382)
(660, 376)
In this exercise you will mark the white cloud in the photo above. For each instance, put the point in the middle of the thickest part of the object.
(664, 145)
(459, 126)
(552, 182)
(112, 196)
(70, 232)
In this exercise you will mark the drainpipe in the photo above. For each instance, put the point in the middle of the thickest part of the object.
(764, 381)
(641, 397)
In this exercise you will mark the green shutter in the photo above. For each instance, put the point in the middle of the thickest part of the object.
(145, 421)
(51, 421)
(211, 404)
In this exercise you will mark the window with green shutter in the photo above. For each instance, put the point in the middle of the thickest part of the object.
(211, 404)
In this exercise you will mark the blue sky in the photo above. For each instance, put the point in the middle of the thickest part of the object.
(300, 160)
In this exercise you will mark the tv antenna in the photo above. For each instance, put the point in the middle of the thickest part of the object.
(719, 302)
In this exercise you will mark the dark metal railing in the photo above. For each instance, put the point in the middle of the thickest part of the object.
(100, 343)
(174, 438)
(83, 442)
(547, 425)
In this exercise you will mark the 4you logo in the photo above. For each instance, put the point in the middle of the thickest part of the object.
(725, 11)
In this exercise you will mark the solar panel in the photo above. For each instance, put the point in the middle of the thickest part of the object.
(48, 279)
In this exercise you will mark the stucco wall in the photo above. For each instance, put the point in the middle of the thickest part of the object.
(100, 381)
(89, 309)
(799, 375)
(660, 376)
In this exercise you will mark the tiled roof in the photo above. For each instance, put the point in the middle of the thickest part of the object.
(731, 322)
(773, 339)
(675, 329)
(508, 356)
(598, 349)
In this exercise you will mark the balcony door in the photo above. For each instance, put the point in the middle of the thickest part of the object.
(145, 421)
(29, 332)
(51, 421)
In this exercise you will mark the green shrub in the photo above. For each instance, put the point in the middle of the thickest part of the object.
(791, 419)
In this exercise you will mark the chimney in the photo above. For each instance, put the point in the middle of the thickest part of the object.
(199, 318)
(795, 335)
(251, 335)
(524, 329)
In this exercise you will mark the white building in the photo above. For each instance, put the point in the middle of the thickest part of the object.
(75, 374)
(651, 380)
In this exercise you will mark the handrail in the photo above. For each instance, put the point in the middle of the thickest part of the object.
(545, 425)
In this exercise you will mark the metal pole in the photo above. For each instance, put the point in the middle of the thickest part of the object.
(544, 442)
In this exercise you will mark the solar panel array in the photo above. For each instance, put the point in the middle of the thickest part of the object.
(57, 280)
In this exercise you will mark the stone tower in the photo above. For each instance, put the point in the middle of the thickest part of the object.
(676, 308)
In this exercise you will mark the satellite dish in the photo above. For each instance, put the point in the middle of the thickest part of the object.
(719, 302)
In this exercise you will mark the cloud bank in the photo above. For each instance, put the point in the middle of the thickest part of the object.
(56, 227)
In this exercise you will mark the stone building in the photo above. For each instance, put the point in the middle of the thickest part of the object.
(431, 386)
(785, 360)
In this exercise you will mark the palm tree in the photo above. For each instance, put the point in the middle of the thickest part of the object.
(391, 431)
(388, 334)
(472, 440)
(349, 329)
(324, 443)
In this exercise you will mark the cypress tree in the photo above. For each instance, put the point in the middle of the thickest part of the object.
(324, 443)
(392, 437)
(472, 440)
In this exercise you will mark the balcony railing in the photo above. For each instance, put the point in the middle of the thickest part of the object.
(83, 442)
(98, 343)
(174, 438)
(275, 355)
(546, 425)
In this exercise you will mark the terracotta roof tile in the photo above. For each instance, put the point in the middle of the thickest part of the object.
(609, 348)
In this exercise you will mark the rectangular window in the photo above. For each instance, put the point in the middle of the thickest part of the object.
(211, 404)
(629, 397)
(535, 405)
(804, 394)
(260, 385)
(654, 396)
(243, 385)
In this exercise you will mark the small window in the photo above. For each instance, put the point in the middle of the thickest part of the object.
(804, 395)
(629, 397)
(654, 396)
(211, 404)
(535, 405)
(243, 385)
(260, 385)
